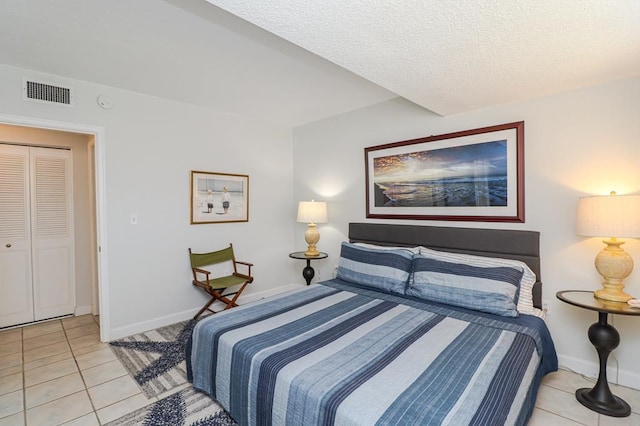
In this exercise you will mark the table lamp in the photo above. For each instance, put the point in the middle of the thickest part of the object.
(611, 216)
(312, 212)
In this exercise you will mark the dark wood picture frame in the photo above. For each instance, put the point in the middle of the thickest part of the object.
(472, 175)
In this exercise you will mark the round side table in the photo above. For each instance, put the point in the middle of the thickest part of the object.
(605, 339)
(308, 273)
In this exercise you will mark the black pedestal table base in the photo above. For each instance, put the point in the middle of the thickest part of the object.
(600, 399)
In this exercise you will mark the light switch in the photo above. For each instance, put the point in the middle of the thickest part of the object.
(134, 218)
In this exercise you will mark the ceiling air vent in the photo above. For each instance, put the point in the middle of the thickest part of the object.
(38, 91)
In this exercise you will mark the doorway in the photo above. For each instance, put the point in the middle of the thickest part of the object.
(86, 142)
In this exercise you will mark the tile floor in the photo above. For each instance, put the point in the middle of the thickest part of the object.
(58, 373)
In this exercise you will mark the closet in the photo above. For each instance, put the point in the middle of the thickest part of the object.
(37, 271)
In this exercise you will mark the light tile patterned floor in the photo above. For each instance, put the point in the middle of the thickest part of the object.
(58, 372)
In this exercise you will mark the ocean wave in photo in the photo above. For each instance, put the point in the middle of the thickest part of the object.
(458, 192)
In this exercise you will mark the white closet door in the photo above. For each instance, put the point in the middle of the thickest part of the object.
(52, 233)
(16, 296)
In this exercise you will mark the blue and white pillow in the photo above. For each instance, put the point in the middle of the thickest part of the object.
(382, 269)
(525, 294)
(414, 250)
(471, 282)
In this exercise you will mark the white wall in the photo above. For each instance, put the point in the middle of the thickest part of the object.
(151, 145)
(578, 143)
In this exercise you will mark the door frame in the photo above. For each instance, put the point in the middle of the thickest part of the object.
(98, 134)
(91, 160)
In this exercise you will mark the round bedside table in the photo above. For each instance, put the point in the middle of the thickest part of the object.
(605, 339)
(308, 272)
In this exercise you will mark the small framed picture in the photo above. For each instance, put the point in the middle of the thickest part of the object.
(472, 175)
(219, 197)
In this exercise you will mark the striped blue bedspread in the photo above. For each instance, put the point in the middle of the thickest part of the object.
(336, 354)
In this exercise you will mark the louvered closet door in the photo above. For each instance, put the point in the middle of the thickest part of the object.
(16, 296)
(52, 233)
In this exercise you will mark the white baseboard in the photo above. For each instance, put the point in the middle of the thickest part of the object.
(590, 369)
(140, 327)
(83, 310)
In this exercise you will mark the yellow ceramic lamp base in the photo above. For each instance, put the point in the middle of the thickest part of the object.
(614, 264)
(312, 236)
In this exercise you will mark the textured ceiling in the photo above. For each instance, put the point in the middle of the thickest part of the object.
(295, 62)
(455, 56)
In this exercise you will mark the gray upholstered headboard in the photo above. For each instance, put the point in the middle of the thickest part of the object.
(510, 244)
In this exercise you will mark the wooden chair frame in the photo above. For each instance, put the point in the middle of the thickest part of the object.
(216, 287)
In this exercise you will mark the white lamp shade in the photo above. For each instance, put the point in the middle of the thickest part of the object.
(609, 216)
(312, 212)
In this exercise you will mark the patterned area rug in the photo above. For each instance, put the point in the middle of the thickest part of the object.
(187, 407)
(156, 360)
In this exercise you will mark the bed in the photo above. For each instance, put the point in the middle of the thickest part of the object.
(422, 325)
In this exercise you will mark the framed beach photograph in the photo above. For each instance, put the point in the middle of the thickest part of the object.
(219, 197)
(472, 175)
